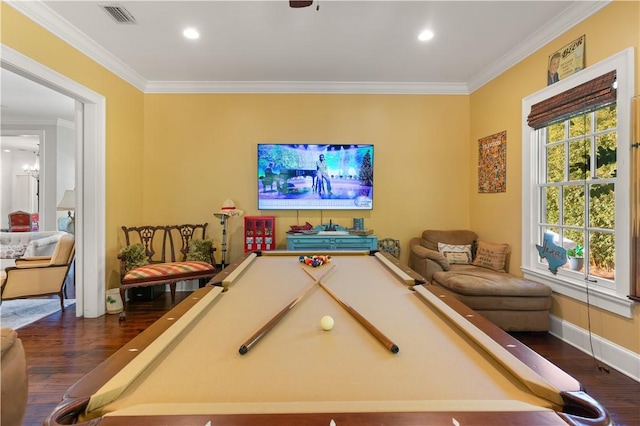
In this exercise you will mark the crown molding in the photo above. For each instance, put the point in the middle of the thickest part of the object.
(51, 21)
(572, 16)
(325, 87)
(42, 15)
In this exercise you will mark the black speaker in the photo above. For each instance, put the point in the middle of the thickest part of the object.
(146, 294)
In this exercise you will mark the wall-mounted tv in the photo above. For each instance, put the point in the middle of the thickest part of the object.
(315, 176)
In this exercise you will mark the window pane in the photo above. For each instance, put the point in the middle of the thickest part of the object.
(555, 163)
(602, 206)
(606, 118)
(579, 159)
(602, 255)
(551, 196)
(575, 235)
(574, 205)
(580, 125)
(606, 145)
(555, 133)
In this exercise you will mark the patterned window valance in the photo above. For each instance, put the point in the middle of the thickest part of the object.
(581, 99)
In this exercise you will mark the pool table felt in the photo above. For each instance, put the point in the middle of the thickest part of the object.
(299, 366)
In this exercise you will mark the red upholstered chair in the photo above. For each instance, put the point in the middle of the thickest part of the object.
(19, 222)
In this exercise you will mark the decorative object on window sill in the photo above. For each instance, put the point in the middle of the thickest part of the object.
(227, 211)
(68, 203)
(576, 257)
(555, 255)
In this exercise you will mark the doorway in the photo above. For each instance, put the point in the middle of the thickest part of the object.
(90, 119)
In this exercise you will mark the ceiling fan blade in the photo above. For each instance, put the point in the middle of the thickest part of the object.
(301, 3)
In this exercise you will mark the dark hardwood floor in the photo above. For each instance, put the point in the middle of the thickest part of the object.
(62, 348)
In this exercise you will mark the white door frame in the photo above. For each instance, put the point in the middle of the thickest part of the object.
(90, 177)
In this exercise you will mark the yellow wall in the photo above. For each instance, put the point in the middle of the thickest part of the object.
(497, 106)
(202, 149)
(176, 157)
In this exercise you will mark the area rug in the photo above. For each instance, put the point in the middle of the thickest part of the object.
(20, 312)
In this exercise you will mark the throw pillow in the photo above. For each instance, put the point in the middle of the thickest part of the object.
(491, 256)
(456, 254)
(12, 251)
(134, 255)
(200, 250)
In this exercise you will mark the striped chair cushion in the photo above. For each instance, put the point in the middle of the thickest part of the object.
(161, 271)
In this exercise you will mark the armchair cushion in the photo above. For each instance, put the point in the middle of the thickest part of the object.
(200, 250)
(422, 252)
(45, 241)
(162, 271)
(431, 238)
(470, 280)
(491, 256)
(64, 250)
(12, 251)
(38, 243)
(133, 256)
(456, 254)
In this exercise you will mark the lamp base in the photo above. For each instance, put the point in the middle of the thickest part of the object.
(71, 227)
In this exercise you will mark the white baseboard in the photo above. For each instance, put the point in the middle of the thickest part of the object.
(625, 361)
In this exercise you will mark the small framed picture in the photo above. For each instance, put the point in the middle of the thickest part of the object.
(566, 61)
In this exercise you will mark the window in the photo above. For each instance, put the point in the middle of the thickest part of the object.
(575, 186)
(577, 191)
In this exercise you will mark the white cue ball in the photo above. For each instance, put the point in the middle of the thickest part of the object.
(326, 322)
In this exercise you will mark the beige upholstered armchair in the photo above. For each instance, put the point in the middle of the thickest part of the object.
(41, 275)
(14, 382)
(475, 272)
(424, 256)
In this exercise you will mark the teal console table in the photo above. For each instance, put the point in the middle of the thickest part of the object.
(338, 239)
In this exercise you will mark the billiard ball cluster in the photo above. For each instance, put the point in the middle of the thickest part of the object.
(315, 260)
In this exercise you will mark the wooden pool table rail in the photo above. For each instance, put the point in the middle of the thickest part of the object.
(579, 408)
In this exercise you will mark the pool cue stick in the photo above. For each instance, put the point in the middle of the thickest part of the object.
(246, 346)
(386, 342)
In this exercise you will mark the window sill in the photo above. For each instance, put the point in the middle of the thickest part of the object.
(599, 297)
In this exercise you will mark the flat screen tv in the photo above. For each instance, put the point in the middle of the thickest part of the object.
(315, 176)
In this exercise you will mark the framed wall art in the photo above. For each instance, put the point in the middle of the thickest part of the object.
(566, 61)
(492, 163)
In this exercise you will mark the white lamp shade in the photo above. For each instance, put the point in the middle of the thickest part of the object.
(68, 201)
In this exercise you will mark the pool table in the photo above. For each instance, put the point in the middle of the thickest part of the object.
(452, 366)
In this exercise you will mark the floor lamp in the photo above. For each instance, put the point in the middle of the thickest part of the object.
(227, 211)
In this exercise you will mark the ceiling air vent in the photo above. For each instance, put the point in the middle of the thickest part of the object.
(118, 13)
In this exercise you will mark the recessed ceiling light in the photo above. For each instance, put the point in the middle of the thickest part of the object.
(191, 33)
(425, 35)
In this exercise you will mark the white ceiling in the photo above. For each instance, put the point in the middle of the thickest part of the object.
(266, 46)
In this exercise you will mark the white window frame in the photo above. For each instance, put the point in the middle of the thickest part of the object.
(571, 284)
